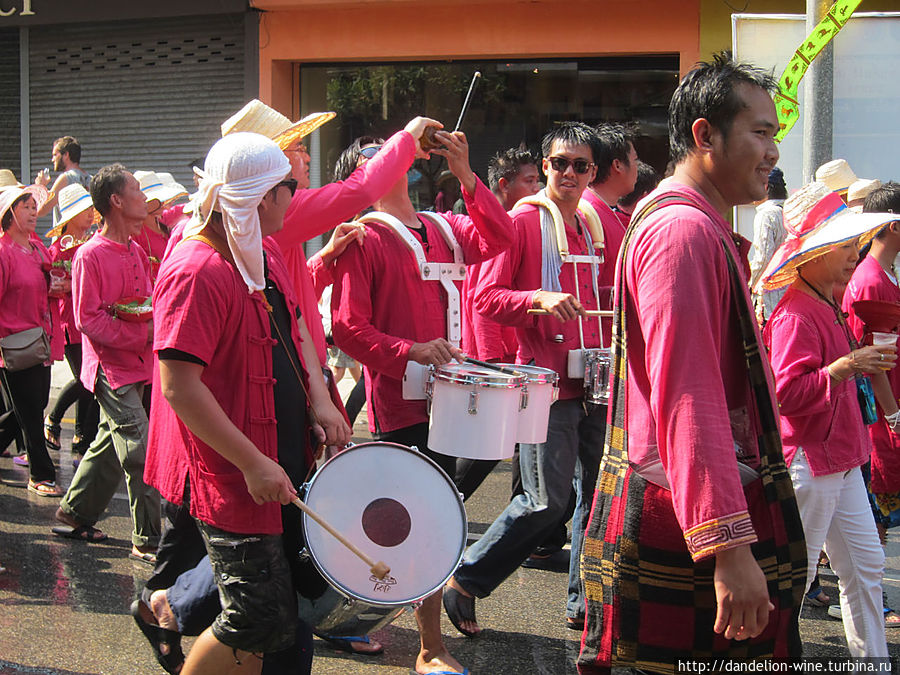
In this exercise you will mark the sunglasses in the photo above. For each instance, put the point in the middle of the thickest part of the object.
(370, 151)
(562, 163)
(289, 183)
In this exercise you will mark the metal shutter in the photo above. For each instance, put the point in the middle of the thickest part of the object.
(9, 100)
(150, 94)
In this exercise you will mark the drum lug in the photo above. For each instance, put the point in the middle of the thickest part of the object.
(303, 554)
(523, 401)
(473, 402)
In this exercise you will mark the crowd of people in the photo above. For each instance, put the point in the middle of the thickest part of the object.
(746, 429)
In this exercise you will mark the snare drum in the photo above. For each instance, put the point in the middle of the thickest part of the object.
(540, 391)
(596, 376)
(397, 506)
(474, 411)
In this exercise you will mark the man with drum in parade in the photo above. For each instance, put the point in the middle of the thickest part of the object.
(240, 389)
(386, 316)
(534, 276)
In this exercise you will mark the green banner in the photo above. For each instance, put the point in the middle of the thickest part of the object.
(786, 101)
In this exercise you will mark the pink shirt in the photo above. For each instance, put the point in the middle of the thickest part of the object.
(321, 275)
(818, 414)
(154, 244)
(688, 397)
(484, 338)
(871, 282)
(103, 273)
(65, 305)
(613, 234)
(201, 306)
(23, 288)
(381, 306)
(508, 283)
(313, 212)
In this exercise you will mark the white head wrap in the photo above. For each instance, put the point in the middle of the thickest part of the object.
(239, 170)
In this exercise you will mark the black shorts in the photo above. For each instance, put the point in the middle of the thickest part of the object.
(259, 606)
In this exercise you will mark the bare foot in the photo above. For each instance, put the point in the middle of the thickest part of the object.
(65, 518)
(162, 612)
(434, 663)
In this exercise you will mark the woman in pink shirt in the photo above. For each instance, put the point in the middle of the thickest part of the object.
(24, 287)
(817, 363)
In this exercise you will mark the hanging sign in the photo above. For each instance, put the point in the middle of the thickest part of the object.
(786, 101)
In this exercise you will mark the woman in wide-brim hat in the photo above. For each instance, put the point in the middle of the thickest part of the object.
(816, 361)
(76, 215)
(25, 287)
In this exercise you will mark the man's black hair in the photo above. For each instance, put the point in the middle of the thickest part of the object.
(775, 187)
(613, 142)
(647, 180)
(346, 162)
(108, 181)
(571, 133)
(709, 92)
(508, 165)
(885, 199)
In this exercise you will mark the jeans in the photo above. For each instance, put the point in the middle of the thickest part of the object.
(121, 444)
(572, 453)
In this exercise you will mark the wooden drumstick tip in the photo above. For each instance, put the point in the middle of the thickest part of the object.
(380, 570)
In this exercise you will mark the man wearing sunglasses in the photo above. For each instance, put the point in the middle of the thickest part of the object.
(518, 280)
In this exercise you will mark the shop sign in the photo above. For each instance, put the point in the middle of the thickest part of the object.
(25, 10)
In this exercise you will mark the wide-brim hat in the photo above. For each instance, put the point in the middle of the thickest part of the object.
(862, 189)
(177, 188)
(154, 188)
(8, 179)
(819, 220)
(259, 118)
(9, 195)
(73, 199)
(836, 174)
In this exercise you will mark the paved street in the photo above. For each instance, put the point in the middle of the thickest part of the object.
(64, 605)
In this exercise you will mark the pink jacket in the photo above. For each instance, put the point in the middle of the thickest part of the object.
(66, 307)
(380, 305)
(688, 397)
(613, 233)
(103, 273)
(507, 285)
(818, 414)
(23, 288)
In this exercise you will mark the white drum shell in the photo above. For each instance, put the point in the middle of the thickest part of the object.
(540, 392)
(487, 433)
(420, 564)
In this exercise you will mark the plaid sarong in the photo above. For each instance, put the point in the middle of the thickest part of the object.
(648, 603)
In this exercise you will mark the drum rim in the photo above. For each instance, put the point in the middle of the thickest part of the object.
(482, 377)
(534, 374)
(343, 590)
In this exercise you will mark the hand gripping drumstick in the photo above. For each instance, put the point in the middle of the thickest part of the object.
(589, 312)
(379, 569)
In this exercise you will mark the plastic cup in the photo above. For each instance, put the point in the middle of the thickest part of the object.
(884, 339)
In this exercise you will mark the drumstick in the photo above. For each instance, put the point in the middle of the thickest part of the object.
(465, 104)
(588, 312)
(492, 366)
(379, 569)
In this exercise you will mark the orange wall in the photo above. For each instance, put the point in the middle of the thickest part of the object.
(393, 31)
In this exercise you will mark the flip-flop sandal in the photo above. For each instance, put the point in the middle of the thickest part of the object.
(148, 558)
(158, 636)
(44, 488)
(345, 644)
(891, 618)
(574, 624)
(459, 608)
(84, 533)
(818, 598)
(51, 434)
(441, 672)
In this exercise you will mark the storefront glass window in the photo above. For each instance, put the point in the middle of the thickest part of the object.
(514, 103)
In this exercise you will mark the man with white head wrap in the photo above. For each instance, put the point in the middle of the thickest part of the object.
(232, 401)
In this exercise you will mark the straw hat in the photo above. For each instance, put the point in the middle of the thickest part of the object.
(8, 179)
(836, 174)
(259, 118)
(860, 190)
(9, 195)
(154, 188)
(168, 180)
(816, 220)
(73, 199)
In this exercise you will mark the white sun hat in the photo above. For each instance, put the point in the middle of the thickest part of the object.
(259, 118)
(73, 199)
(836, 174)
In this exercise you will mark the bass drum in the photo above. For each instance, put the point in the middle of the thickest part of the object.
(399, 507)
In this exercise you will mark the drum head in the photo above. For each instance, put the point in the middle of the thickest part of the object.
(397, 506)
